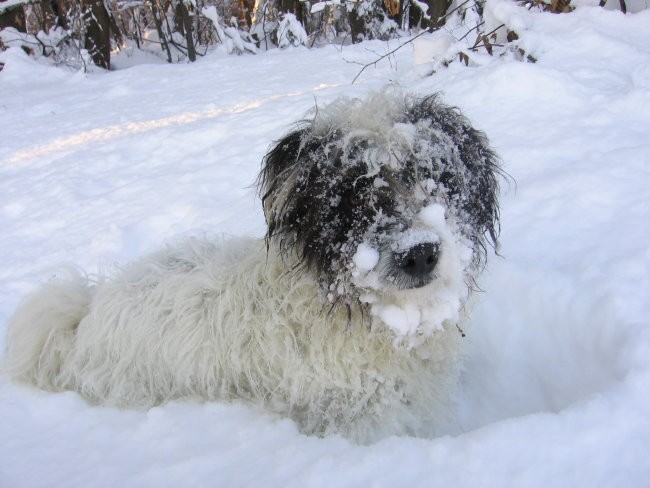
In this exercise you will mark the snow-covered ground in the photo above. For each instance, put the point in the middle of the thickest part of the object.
(97, 169)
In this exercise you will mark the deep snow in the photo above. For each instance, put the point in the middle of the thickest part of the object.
(97, 169)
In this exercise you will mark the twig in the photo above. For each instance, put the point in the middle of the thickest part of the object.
(470, 31)
(481, 38)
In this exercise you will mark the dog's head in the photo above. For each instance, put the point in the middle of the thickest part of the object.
(382, 194)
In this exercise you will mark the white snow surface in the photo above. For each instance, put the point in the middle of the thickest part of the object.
(100, 168)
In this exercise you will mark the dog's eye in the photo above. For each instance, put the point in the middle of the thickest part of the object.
(354, 199)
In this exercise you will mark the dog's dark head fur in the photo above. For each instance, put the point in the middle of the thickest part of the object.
(361, 171)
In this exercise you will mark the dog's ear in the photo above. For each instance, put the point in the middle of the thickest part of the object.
(280, 157)
(278, 168)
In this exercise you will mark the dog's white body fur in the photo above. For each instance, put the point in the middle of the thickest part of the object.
(230, 321)
(379, 214)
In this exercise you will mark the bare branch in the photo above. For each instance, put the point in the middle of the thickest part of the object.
(393, 51)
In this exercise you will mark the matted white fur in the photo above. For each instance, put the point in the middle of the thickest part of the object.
(228, 321)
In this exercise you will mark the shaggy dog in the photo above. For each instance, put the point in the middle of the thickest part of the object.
(345, 318)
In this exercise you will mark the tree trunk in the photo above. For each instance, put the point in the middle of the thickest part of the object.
(155, 13)
(98, 34)
(60, 12)
(411, 16)
(13, 17)
(437, 11)
(246, 8)
(293, 7)
(185, 26)
(357, 26)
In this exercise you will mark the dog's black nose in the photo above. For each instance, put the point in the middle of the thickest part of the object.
(420, 260)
